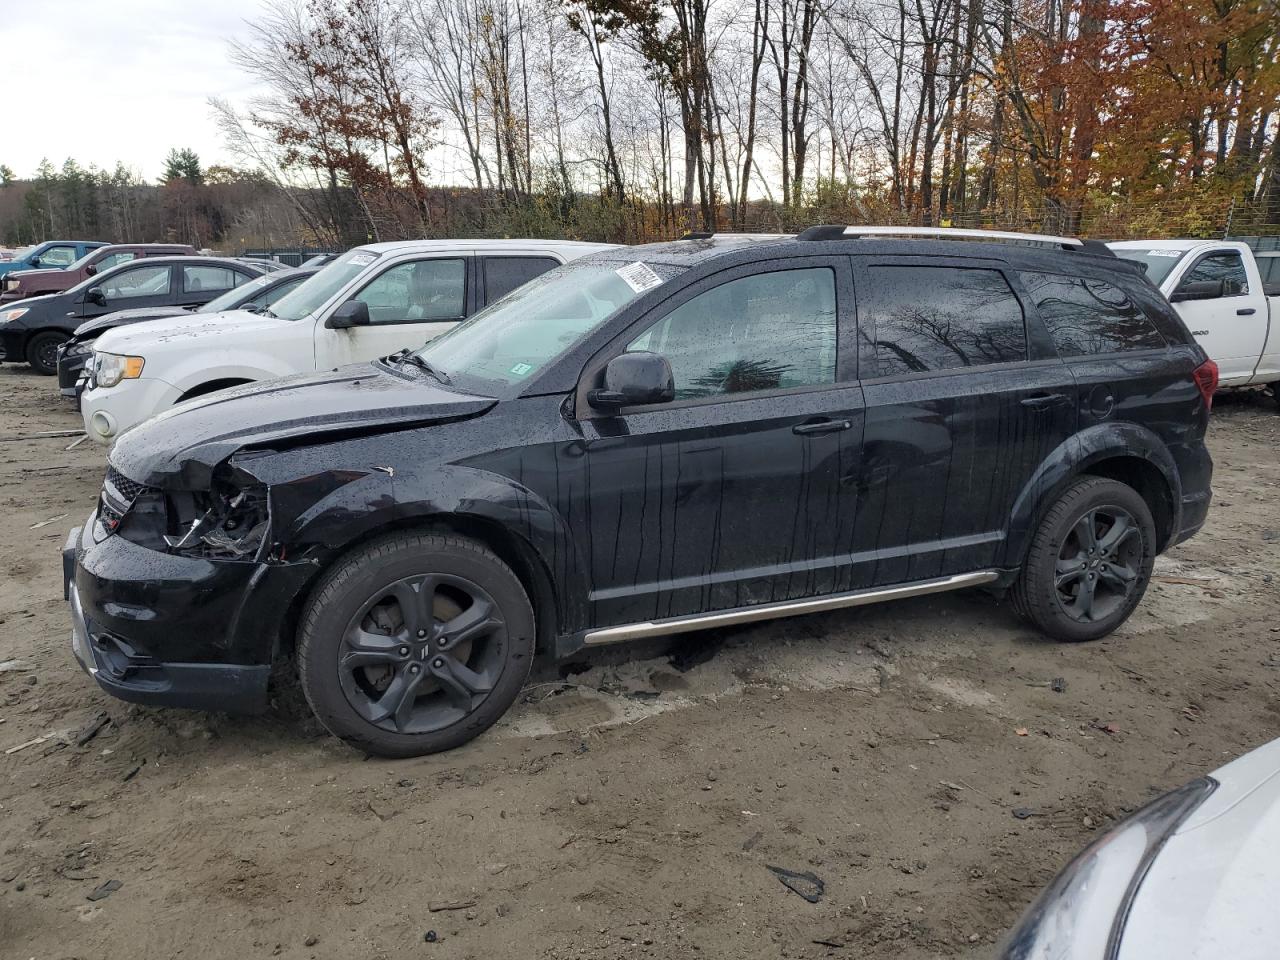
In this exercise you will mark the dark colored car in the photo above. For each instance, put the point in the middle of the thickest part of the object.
(649, 441)
(255, 296)
(32, 329)
(34, 283)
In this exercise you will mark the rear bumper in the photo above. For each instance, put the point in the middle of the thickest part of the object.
(1195, 471)
(172, 631)
(1195, 510)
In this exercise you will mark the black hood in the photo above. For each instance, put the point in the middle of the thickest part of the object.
(181, 448)
(108, 321)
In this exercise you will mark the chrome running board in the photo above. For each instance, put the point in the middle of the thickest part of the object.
(788, 608)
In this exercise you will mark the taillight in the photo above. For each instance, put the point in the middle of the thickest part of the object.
(1206, 378)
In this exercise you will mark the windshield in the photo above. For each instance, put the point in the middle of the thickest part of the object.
(509, 341)
(237, 295)
(83, 260)
(98, 278)
(1158, 263)
(313, 293)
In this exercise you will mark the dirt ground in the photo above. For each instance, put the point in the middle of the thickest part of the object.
(918, 757)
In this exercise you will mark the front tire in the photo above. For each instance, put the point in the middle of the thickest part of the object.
(42, 351)
(415, 643)
(1090, 561)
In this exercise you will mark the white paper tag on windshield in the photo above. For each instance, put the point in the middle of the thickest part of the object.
(638, 276)
(362, 259)
(1164, 253)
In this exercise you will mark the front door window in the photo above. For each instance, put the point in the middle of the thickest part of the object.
(768, 331)
(417, 292)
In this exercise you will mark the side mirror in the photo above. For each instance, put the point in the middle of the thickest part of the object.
(90, 270)
(34, 261)
(95, 295)
(353, 313)
(632, 379)
(1199, 290)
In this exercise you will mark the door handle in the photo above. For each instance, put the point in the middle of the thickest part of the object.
(1246, 312)
(1043, 400)
(821, 426)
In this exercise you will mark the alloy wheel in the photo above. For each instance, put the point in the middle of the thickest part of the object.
(1098, 564)
(422, 653)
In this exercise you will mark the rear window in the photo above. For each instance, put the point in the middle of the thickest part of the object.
(1087, 317)
(1158, 263)
(940, 318)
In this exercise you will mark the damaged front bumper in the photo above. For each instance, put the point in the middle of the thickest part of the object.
(176, 631)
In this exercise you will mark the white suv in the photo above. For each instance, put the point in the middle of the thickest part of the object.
(370, 302)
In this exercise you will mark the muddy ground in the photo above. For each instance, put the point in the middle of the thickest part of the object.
(630, 810)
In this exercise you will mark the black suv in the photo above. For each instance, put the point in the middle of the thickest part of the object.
(653, 440)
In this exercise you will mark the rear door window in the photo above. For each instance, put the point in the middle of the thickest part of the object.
(1087, 316)
(210, 279)
(768, 331)
(927, 318)
(504, 274)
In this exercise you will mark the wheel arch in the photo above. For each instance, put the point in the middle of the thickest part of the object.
(1125, 452)
(210, 386)
(513, 550)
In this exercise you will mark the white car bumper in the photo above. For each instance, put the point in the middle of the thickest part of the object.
(110, 411)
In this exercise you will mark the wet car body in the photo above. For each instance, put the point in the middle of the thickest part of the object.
(669, 518)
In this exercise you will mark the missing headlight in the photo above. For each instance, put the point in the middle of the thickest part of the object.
(220, 525)
(226, 524)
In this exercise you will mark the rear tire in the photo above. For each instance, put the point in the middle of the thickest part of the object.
(1090, 561)
(415, 643)
(42, 351)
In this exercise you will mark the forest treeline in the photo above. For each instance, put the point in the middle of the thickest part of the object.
(632, 119)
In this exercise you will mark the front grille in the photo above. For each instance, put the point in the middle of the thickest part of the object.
(126, 490)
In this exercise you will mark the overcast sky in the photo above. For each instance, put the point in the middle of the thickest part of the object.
(108, 80)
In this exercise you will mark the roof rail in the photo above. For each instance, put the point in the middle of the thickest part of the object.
(723, 234)
(941, 233)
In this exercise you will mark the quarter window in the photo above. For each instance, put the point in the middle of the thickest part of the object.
(504, 274)
(770, 331)
(1226, 266)
(940, 318)
(139, 282)
(1088, 317)
(210, 279)
(417, 291)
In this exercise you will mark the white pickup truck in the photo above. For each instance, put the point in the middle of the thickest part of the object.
(1228, 297)
(370, 302)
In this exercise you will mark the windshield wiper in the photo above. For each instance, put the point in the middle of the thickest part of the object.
(408, 356)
